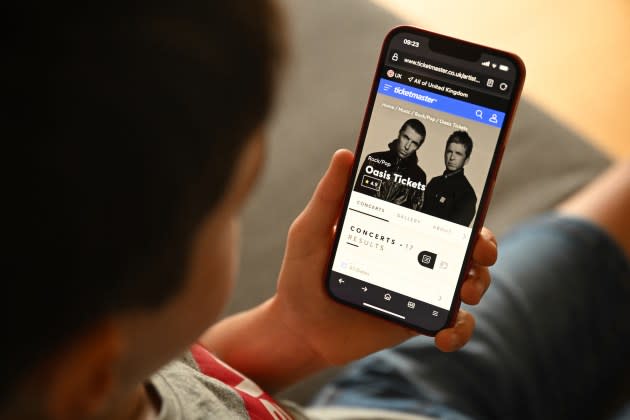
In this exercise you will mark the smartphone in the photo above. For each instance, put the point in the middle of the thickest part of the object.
(427, 157)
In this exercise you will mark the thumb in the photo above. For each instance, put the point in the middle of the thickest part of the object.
(317, 220)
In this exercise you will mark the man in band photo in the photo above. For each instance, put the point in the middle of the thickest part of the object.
(450, 196)
(394, 175)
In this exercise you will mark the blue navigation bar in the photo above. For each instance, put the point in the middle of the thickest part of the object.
(441, 103)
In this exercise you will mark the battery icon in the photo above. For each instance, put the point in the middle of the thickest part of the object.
(503, 67)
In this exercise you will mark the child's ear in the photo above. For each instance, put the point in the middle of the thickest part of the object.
(82, 376)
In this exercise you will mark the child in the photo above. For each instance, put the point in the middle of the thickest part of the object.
(142, 133)
(140, 141)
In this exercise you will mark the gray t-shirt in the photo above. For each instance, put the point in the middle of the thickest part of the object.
(199, 386)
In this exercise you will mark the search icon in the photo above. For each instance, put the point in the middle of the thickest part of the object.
(479, 114)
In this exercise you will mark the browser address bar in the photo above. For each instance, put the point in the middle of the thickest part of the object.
(416, 63)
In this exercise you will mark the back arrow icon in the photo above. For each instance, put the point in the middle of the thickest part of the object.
(341, 281)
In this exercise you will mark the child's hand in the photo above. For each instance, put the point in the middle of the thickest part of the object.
(331, 331)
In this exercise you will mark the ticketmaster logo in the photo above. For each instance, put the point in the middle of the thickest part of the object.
(404, 92)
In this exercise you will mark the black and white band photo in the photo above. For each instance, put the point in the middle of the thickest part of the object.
(450, 196)
(393, 175)
(433, 180)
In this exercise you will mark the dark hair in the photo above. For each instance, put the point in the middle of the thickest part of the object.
(416, 126)
(130, 121)
(463, 138)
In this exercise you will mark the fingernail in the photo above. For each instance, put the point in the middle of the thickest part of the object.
(456, 341)
(480, 289)
(488, 236)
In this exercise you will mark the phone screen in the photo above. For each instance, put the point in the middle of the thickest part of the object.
(428, 153)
